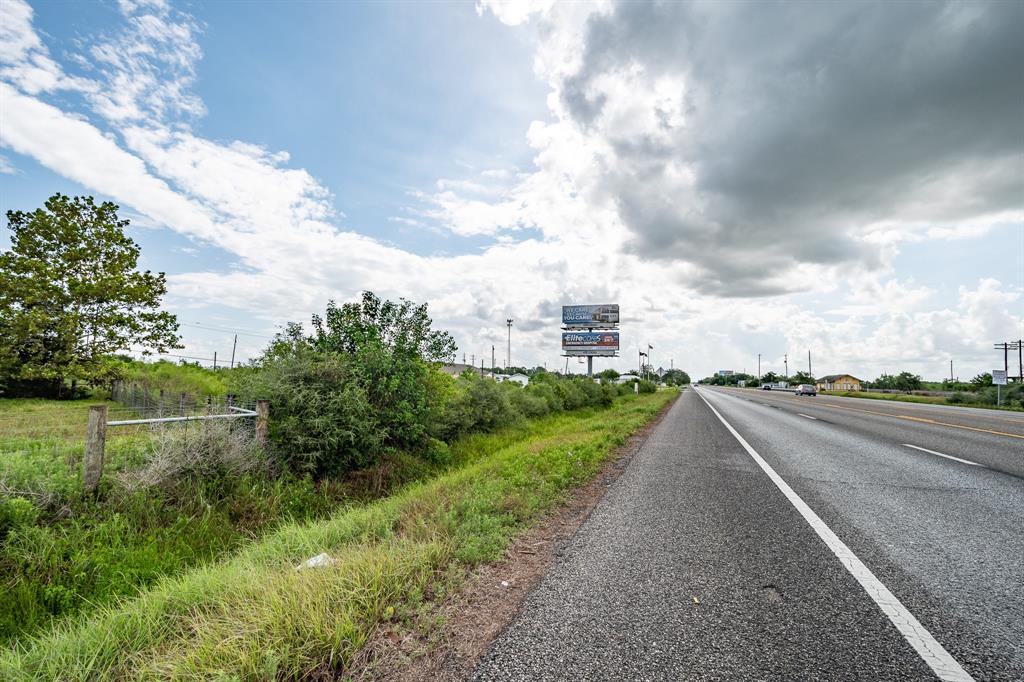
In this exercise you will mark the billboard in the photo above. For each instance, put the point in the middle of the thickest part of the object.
(590, 343)
(606, 315)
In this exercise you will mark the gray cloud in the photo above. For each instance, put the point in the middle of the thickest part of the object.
(799, 124)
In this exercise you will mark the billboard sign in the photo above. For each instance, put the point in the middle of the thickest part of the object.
(606, 315)
(590, 343)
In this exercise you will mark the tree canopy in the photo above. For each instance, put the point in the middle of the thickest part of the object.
(70, 296)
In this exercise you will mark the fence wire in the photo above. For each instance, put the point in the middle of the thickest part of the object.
(42, 444)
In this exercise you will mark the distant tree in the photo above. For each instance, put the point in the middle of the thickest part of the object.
(769, 378)
(609, 373)
(676, 377)
(906, 381)
(801, 377)
(70, 296)
(982, 380)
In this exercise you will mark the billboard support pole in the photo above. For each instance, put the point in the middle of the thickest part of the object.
(590, 365)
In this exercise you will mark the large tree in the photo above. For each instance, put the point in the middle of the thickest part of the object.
(70, 295)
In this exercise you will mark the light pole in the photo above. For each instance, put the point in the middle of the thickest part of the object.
(508, 358)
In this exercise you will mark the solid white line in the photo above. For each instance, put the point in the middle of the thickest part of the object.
(933, 653)
(807, 416)
(955, 459)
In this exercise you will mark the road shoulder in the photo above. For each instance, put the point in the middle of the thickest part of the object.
(449, 638)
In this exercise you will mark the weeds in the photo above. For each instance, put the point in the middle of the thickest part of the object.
(256, 617)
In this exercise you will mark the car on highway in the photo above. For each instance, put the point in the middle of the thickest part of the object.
(806, 389)
(766, 387)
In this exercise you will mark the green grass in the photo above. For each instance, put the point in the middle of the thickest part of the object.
(896, 397)
(926, 399)
(254, 616)
(42, 443)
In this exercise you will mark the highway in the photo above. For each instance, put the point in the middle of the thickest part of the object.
(758, 535)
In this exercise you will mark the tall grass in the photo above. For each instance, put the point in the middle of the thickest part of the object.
(255, 616)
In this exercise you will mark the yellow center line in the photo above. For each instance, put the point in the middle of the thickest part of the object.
(920, 419)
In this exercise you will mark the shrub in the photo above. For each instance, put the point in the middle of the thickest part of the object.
(647, 386)
(322, 421)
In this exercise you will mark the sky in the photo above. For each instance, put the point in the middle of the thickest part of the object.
(743, 178)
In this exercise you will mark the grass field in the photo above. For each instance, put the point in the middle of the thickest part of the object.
(897, 397)
(254, 616)
(925, 399)
(42, 443)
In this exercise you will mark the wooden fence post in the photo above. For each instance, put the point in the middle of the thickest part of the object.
(262, 421)
(95, 440)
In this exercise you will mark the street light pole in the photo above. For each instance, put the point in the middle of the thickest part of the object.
(508, 358)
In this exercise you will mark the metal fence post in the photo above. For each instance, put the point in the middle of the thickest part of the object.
(262, 421)
(95, 440)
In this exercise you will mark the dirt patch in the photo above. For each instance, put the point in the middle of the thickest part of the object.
(452, 635)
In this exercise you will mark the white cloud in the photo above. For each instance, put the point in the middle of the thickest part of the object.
(514, 12)
(589, 185)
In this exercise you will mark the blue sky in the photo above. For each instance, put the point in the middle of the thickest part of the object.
(736, 192)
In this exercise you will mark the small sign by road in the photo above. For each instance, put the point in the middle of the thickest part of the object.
(999, 377)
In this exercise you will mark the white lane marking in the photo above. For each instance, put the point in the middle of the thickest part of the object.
(926, 646)
(807, 416)
(955, 459)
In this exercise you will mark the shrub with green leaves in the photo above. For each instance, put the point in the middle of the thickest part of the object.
(361, 384)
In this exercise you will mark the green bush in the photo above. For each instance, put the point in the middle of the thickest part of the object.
(322, 420)
(647, 386)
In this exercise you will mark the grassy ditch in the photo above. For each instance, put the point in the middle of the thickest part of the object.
(254, 616)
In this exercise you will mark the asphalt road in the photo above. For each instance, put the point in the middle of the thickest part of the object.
(698, 564)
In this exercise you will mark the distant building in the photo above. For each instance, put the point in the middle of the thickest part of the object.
(839, 382)
(518, 378)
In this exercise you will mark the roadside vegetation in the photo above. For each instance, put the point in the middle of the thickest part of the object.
(904, 387)
(138, 577)
(256, 616)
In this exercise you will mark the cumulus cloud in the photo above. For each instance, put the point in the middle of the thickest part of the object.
(785, 133)
(673, 171)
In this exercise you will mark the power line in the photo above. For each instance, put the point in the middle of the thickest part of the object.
(222, 329)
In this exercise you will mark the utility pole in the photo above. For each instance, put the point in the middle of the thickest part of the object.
(785, 359)
(473, 361)
(509, 322)
(1005, 347)
(759, 367)
(234, 345)
(492, 357)
(215, 359)
(951, 369)
(809, 372)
